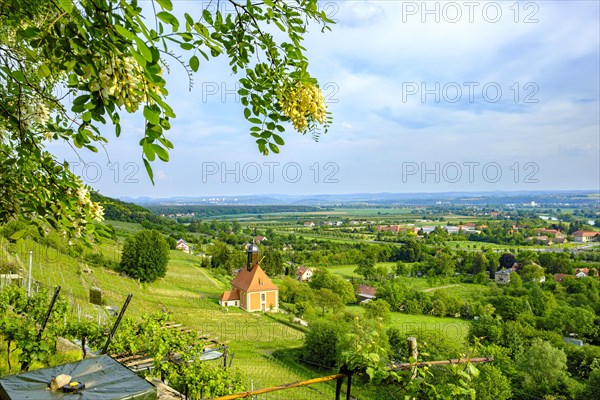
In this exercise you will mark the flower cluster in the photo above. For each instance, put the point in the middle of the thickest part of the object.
(84, 201)
(32, 112)
(123, 79)
(303, 103)
(85, 209)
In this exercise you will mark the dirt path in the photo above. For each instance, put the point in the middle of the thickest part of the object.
(439, 287)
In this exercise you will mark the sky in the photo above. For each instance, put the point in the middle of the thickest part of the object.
(426, 97)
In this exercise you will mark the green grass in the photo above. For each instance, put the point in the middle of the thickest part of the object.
(453, 330)
(347, 271)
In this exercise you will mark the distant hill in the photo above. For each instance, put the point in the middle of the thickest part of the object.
(118, 210)
(547, 198)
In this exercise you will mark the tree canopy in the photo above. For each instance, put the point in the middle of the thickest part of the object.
(69, 67)
(145, 256)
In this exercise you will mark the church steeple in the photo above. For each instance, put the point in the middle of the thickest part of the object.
(252, 256)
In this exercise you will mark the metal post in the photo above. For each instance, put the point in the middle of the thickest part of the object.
(349, 387)
(25, 364)
(49, 312)
(116, 325)
(338, 388)
(29, 276)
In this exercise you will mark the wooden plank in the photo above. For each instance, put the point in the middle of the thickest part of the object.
(138, 362)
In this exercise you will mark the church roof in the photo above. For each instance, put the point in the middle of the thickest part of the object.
(255, 280)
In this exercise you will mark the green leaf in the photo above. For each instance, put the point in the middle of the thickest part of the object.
(44, 71)
(149, 151)
(81, 99)
(194, 63)
(149, 170)
(18, 234)
(165, 4)
(151, 116)
(143, 49)
(124, 32)
(278, 140)
(139, 58)
(247, 113)
(207, 16)
(161, 152)
(66, 5)
(168, 18)
(254, 121)
(274, 148)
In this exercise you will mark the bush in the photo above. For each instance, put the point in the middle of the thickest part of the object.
(145, 256)
(321, 344)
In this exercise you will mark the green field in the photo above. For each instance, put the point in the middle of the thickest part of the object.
(425, 327)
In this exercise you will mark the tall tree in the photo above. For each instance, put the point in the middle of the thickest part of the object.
(544, 368)
(145, 256)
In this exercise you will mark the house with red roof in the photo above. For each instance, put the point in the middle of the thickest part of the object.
(584, 236)
(365, 293)
(553, 232)
(303, 273)
(183, 246)
(252, 290)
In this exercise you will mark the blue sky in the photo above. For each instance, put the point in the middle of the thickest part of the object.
(426, 97)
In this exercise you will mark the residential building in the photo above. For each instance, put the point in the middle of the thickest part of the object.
(584, 236)
(303, 273)
(503, 276)
(183, 246)
(259, 239)
(365, 293)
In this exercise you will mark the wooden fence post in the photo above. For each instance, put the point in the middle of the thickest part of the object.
(413, 352)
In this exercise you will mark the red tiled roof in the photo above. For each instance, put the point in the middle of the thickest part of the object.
(230, 295)
(368, 290)
(301, 270)
(254, 280)
(559, 277)
(585, 233)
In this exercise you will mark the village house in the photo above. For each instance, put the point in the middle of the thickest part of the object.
(553, 232)
(584, 236)
(183, 246)
(365, 293)
(503, 276)
(582, 272)
(260, 238)
(252, 290)
(309, 223)
(303, 273)
(539, 239)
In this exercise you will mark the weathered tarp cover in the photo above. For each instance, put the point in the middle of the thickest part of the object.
(104, 378)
